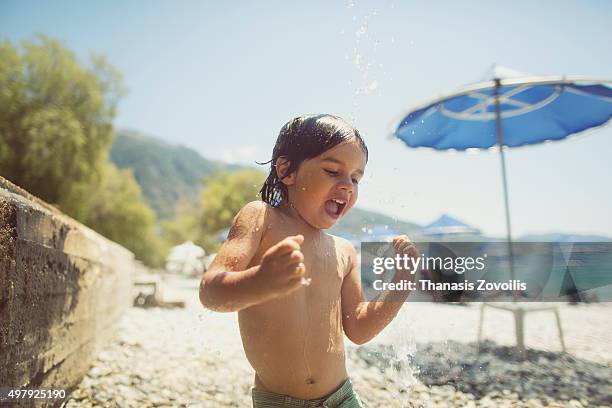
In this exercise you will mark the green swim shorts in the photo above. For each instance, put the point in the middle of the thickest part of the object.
(343, 397)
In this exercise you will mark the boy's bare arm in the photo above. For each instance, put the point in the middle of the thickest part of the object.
(362, 320)
(229, 285)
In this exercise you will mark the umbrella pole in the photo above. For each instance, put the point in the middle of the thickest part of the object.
(500, 141)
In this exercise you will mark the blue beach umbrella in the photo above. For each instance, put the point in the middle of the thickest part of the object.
(508, 111)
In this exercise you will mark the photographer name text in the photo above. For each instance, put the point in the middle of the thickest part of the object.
(428, 285)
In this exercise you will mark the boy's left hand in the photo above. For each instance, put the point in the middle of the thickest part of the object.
(403, 246)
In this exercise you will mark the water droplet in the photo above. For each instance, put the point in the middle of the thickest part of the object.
(371, 87)
(360, 31)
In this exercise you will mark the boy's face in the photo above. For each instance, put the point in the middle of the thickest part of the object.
(324, 188)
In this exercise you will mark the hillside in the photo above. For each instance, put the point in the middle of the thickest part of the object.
(167, 174)
(358, 221)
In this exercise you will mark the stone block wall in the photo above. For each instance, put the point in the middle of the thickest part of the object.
(63, 287)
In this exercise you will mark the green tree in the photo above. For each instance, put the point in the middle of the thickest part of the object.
(55, 133)
(224, 194)
(55, 121)
(118, 212)
(184, 226)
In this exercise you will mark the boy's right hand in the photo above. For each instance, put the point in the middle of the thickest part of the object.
(282, 268)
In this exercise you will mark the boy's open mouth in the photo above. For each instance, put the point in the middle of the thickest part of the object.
(334, 207)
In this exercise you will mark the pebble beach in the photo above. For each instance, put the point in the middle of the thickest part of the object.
(427, 357)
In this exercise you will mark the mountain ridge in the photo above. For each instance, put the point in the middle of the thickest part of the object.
(169, 173)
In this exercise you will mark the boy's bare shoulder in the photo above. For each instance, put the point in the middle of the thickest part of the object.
(254, 206)
(252, 216)
(346, 248)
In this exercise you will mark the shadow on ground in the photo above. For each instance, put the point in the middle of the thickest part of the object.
(496, 369)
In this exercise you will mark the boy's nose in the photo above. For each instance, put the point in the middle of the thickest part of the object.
(346, 186)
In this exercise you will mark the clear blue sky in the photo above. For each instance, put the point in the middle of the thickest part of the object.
(223, 78)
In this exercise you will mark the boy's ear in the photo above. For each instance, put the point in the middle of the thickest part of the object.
(282, 165)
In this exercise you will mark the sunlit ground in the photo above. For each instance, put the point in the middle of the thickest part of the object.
(426, 357)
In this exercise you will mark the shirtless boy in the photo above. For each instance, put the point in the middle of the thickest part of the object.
(296, 288)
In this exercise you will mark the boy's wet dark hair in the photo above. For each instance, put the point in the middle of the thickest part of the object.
(305, 137)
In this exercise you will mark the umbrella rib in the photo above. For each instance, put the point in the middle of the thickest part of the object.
(506, 97)
(481, 95)
(515, 91)
(485, 100)
(509, 101)
(478, 107)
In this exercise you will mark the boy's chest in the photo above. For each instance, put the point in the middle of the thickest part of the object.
(326, 267)
(326, 263)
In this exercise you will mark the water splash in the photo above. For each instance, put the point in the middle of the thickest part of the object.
(368, 81)
(363, 57)
(395, 360)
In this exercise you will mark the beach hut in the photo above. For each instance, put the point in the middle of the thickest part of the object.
(186, 259)
(447, 225)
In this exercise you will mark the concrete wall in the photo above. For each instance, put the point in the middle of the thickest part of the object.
(62, 289)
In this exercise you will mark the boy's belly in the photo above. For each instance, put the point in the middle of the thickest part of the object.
(296, 348)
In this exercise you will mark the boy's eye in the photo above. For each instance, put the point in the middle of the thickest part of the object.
(334, 173)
